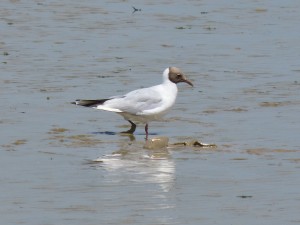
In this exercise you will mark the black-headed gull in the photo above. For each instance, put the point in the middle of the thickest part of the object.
(145, 104)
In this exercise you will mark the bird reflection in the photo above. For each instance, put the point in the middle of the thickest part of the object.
(141, 165)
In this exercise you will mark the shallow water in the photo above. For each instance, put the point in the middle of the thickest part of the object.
(63, 164)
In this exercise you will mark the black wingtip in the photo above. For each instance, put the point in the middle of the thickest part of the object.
(89, 103)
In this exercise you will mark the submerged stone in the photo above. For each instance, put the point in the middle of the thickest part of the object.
(194, 143)
(157, 143)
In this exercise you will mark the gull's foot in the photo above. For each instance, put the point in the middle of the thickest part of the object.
(131, 130)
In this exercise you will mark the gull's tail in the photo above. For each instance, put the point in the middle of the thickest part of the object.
(89, 103)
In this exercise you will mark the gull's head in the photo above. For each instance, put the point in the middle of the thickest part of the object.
(175, 75)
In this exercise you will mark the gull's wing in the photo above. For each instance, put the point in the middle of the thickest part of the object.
(136, 102)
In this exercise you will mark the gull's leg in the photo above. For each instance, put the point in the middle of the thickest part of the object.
(132, 128)
(146, 130)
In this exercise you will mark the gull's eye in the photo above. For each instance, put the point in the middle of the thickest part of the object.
(178, 76)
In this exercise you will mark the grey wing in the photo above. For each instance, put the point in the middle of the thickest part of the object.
(136, 102)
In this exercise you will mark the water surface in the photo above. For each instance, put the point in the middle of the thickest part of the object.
(63, 164)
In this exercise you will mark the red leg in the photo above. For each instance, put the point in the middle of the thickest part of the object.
(146, 130)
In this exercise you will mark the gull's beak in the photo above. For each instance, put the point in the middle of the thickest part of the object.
(187, 81)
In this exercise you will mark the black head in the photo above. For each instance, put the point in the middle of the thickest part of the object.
(176, 76)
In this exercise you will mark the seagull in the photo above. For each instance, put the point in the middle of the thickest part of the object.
(145, 104)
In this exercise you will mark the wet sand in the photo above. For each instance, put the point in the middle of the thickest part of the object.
(63, 164)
